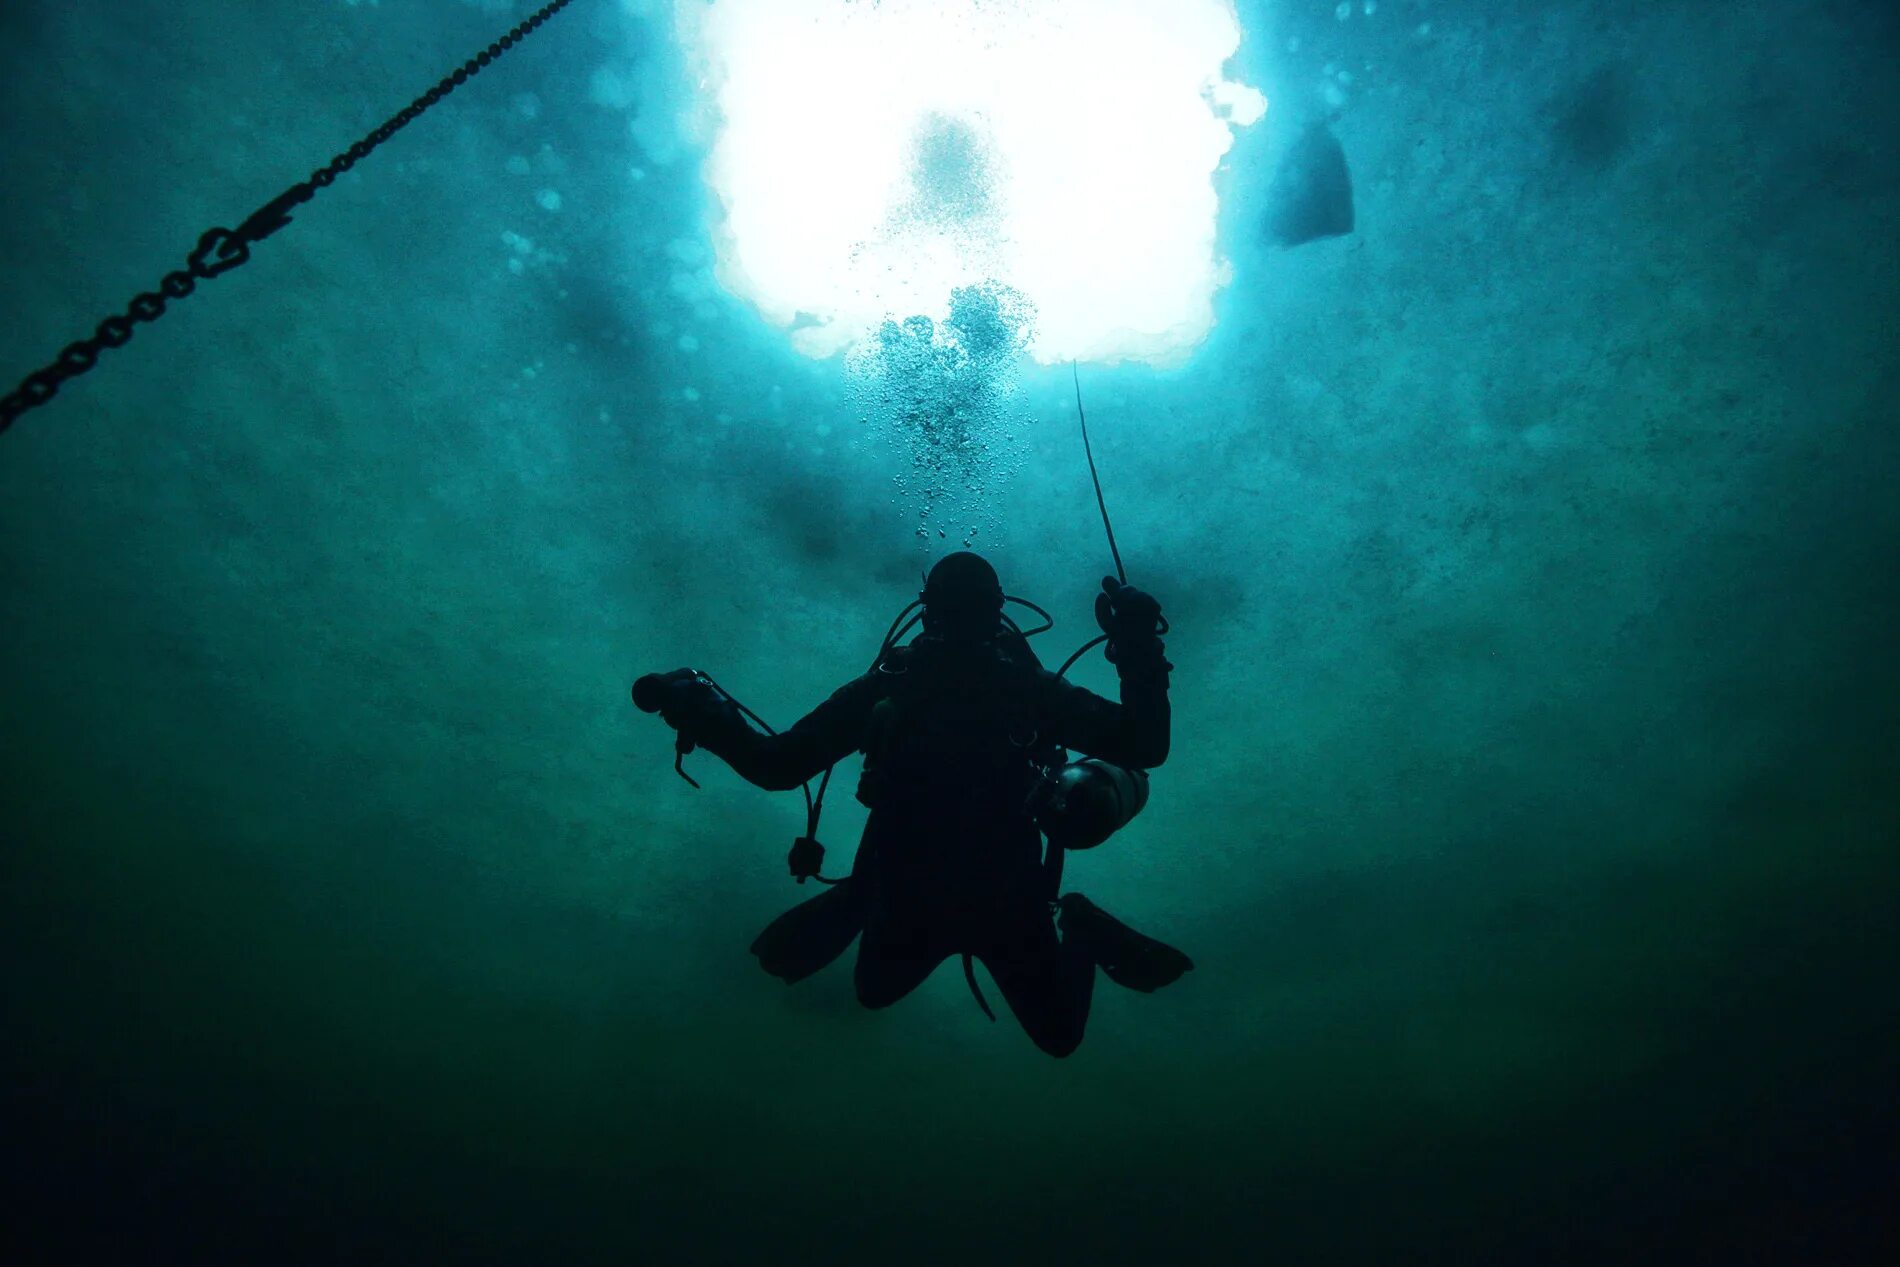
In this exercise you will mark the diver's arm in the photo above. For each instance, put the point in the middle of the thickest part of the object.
(820, 739)
(1134, 733)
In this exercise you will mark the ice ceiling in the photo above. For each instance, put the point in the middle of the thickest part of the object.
(873, 157)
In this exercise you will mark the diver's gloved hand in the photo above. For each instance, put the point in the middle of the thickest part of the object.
(1132, 620)
(682, 698)
(1125, 613)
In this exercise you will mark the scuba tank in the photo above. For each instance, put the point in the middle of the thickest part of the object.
(953, 723)
(1075, 804)
(1082, 804)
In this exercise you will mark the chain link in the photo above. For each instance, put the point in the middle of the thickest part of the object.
(221, 250)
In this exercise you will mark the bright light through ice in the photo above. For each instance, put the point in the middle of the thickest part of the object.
(874, 155)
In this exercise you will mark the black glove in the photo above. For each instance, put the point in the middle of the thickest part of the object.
(1132, 620)
(682, 698)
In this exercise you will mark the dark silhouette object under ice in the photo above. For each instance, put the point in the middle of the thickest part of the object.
(1311, 195)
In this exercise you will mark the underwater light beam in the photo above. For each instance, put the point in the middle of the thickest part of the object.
(873, 157)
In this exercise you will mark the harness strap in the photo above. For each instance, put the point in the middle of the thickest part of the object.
(969, 974)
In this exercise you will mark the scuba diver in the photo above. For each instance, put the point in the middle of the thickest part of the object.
(965, 738)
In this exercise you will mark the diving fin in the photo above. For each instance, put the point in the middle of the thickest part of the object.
(1128, 958)
(811, 934)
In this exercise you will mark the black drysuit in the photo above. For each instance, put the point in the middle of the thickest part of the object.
(951, 859)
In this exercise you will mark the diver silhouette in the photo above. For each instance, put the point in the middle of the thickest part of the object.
(964, 736)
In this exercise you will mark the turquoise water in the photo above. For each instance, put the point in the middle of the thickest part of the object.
(1530, 559)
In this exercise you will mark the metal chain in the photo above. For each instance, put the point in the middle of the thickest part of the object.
(221, 250)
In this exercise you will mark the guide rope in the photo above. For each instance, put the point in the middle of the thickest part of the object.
(1076, 374)
(1109, 528)
(220, 250)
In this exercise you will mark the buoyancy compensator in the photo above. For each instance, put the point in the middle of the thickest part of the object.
(955, 715)
(1076, 804)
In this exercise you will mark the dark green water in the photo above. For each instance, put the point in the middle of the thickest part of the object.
(1531, 559)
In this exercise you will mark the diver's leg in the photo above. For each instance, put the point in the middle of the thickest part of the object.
(1047, 983)
(896, 952)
